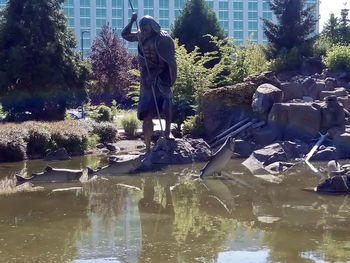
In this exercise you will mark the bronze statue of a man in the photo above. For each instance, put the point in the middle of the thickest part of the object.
(156, 54)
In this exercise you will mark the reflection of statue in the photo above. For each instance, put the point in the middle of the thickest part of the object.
(158, 71)
(157, 219)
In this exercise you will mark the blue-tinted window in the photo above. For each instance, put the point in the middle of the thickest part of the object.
(84, 12)
(238, 34)
(164, 24)
(85, 22)
(118, 23)
(253, 35)
(85, 3)
(237, 6)
(266, 6)
(267, 15)
(70, 22)
(68, 11)
(148, 3)
(66, 2)
(100, 22)
(223, 5)
(148, 12)
(101, 12)
(100, 3)
(238, 25)
(117, 3)
(163, 13)
(179, 4)
(164, 4)
(252, 25)
(117, 13)
(223, 15)
(252, 15)
(252, 6)
(238, 15)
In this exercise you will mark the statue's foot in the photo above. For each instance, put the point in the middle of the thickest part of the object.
(169, 136)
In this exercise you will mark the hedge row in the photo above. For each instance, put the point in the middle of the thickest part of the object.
(35, 139)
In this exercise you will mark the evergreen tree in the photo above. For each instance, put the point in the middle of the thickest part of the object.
(344, 28)
(111, 64)
(39, 71)
(294, 25)
(331, 28)
(195, 21)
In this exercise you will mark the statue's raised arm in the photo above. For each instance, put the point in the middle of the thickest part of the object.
(127, 34)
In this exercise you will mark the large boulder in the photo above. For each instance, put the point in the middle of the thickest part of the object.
(265, 96)
(178, 151)
(271, 159)
(296, 120)
(291, 90)
(333, 115)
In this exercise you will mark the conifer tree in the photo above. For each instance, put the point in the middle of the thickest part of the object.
(195, 21)
(39, 71)
(295, 23)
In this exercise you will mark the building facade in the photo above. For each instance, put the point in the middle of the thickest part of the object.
(240, 19)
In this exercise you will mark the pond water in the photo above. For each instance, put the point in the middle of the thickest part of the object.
(168, 216)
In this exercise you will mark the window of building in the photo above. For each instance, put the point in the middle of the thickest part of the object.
(163, 13)
(237, 6)
(253, 6)
(223, 5)
(266, 6)
(252, 15)
(66, 2)
(100, 22)
(252, 25)
(164, 4)
(85, 3)
(267, 15)
(84, 12)
(148, 3)
(101, 12)
(117, 13)
(253, 35)
(238, 15)
(117, 3)
(238, 34)
(100, 3)
(84, 22)
(117, 23)
(238, 25)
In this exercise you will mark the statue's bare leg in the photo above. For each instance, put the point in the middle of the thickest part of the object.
(147, 127)
(168, 109)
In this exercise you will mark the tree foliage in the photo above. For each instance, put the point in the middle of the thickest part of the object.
(111, 64)
(195, 21)
(39, 71)
(295, 23)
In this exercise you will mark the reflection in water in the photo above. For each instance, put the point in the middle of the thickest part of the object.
(174, 218)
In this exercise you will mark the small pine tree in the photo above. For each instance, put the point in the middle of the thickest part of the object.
(295, 23)
(344, 28)
(111, 64)
(195, 21)
(39, 71)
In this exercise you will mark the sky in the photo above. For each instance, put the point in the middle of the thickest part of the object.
(331, 6)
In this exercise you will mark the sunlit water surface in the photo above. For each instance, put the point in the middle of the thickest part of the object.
(168, 216)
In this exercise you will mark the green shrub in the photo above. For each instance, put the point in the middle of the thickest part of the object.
(105, 113)
(321, 46)
(106, 131)
(38, 139)
(194, 126)
(130, 123)
(338, 58)
(92, 141)
(286, 60)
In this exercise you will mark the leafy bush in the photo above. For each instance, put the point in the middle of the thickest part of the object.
(338, 58)
(130, 124)
(92, 141)
(237, 62)
(38, 139)
(194, 126)
(106, 131)
(286, 60)
(321, 46)
(105, 113)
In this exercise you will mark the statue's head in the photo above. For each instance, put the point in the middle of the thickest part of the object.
(148, 26)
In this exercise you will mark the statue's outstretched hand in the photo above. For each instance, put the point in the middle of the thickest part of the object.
(133, 17)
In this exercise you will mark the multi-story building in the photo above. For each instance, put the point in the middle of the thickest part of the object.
(240, 19)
